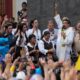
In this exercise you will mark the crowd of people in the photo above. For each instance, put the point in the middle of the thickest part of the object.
(28, 53)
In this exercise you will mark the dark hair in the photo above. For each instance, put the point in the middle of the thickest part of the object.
(24, 3)
(3, 15)
(31, 36)
(13, 18)
(50, 20)
(31, 22)
(7, 25)
(68, 21)
(20, 26)
(46, 33)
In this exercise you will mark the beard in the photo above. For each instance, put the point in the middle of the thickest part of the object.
(64, 27)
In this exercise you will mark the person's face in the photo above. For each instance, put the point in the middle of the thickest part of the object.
(50, 25)
(9, 30)
(65, 24)
(24, 28)
(33, 40)
(50, 61)
(24, 6)
(20, 66)
(78, 26)
(6, 18)
(47, 37)
(35, 23)
(8, 58)
(42, 61)
(25, 21)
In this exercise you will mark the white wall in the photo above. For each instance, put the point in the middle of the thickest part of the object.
(17, 7)
(18, 4)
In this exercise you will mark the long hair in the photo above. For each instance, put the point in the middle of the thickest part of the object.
(31, 23)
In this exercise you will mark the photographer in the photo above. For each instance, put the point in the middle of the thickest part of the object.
(23, 12)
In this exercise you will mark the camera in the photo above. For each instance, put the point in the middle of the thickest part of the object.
(20, 13)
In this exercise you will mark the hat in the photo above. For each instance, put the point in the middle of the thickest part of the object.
(21, 75)
(65, 18)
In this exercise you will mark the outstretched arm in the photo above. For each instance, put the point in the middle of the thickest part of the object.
(57, 17)
(56, 9)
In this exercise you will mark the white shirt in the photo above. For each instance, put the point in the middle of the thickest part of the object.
(14, 30)
(53, 34)
(29, 44)
(58, 21)
(36, 33)
(41, 46)
(23, 41)
(63, 53)
(26, 48)
(21, 75)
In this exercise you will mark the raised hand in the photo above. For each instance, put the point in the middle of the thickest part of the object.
(56, 5)
(63, 34)
(56, 8)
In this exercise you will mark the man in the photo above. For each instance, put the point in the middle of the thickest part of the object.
(52, 30)
(35, 30)
(32, 48)
(8, 33)
(64, 41)
(46, 47)
(23, 13)
(6, 40)
(65, 36)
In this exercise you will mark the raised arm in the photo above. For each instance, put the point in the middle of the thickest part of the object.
(57, 17)
(56, 9)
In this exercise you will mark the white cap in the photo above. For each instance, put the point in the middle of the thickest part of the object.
(21, 75)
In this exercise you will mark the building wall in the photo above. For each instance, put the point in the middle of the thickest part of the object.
(8, 7)
(44, 10)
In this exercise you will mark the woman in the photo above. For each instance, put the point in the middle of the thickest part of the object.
(21, 39)
(34, 30)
